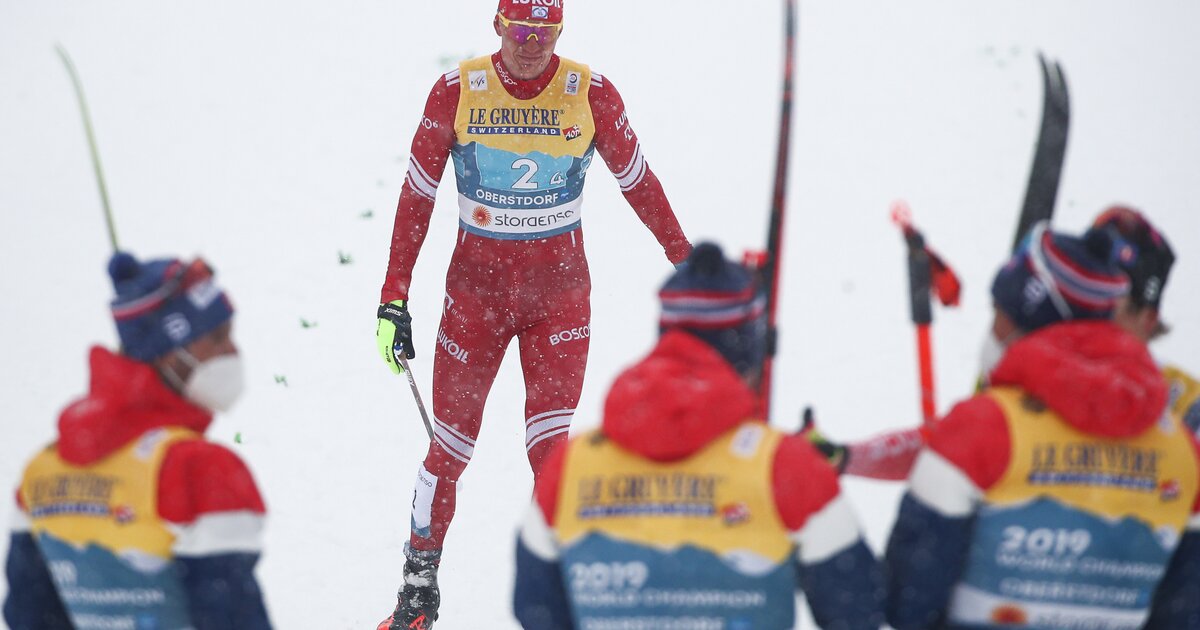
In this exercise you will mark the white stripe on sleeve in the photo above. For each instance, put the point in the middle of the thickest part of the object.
(1193, 525)
(219, 533)
(420, 181)
(633, 162)
(636, 180)
(536, 535)
(942, 487)
(828, 532)
(634, 173)
(452, 77)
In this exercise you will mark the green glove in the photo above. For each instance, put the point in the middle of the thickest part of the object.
(393, 334)
(836, 454)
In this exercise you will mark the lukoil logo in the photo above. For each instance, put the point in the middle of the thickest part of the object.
(572, 334)
(451, 347)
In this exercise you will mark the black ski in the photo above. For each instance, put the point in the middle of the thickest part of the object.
(1044, 175)
(774, 252)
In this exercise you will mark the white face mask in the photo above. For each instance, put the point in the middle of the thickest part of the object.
(215, 383)
(990, 355)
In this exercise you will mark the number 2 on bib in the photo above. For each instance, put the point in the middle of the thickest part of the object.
(531, 169)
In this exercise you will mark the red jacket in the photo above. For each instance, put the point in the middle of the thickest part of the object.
(678, 399)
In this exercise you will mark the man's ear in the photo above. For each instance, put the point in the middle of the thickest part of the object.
(496, 25)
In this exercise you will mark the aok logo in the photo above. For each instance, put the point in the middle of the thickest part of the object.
(573, 334)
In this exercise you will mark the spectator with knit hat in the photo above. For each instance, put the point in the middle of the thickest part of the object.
(1140, 313)
(684, 509)
(1061, 495)
(132, 519)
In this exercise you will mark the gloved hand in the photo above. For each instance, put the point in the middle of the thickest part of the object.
(836, 454)
(393, 333)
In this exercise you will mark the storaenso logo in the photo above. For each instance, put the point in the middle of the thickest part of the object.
(573, 334)
(540, 221)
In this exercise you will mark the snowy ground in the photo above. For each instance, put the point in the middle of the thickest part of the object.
(260, 133)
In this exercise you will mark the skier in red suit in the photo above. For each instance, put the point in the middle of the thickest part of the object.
(522, 126)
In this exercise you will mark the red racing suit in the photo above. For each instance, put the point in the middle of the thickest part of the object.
(506, 282)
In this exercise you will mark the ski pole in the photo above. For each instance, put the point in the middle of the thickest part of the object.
(412, 383)
(91, 138)
(921, 309)
(928, 275)
(770, 267)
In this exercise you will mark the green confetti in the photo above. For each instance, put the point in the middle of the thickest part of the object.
(281, 380)
(344, 258)
(304, 323)
(237, 437)
(367, 214)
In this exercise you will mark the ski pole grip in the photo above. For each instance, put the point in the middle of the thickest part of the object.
(919, 279)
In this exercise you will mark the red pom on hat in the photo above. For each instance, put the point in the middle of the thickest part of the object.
(549, 11)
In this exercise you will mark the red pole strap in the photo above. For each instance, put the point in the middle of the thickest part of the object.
(925, 355)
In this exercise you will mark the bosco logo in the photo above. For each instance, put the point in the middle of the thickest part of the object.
(572, 334)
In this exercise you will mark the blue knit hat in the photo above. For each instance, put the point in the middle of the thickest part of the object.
(721, 303)
(164, 304)
(1054, 277)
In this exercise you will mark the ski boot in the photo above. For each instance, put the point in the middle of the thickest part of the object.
(418, 599)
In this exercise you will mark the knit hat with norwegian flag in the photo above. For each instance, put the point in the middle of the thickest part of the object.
(164, 304)
(720, 302)
(549, 11)
(1054, 277)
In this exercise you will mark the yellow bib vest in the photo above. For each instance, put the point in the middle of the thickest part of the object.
(1080, 529)
(521, 164)
(1185, 396)
(697, 541)
(98, 528)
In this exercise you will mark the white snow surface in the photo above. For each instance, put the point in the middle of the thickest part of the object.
(257, 133)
